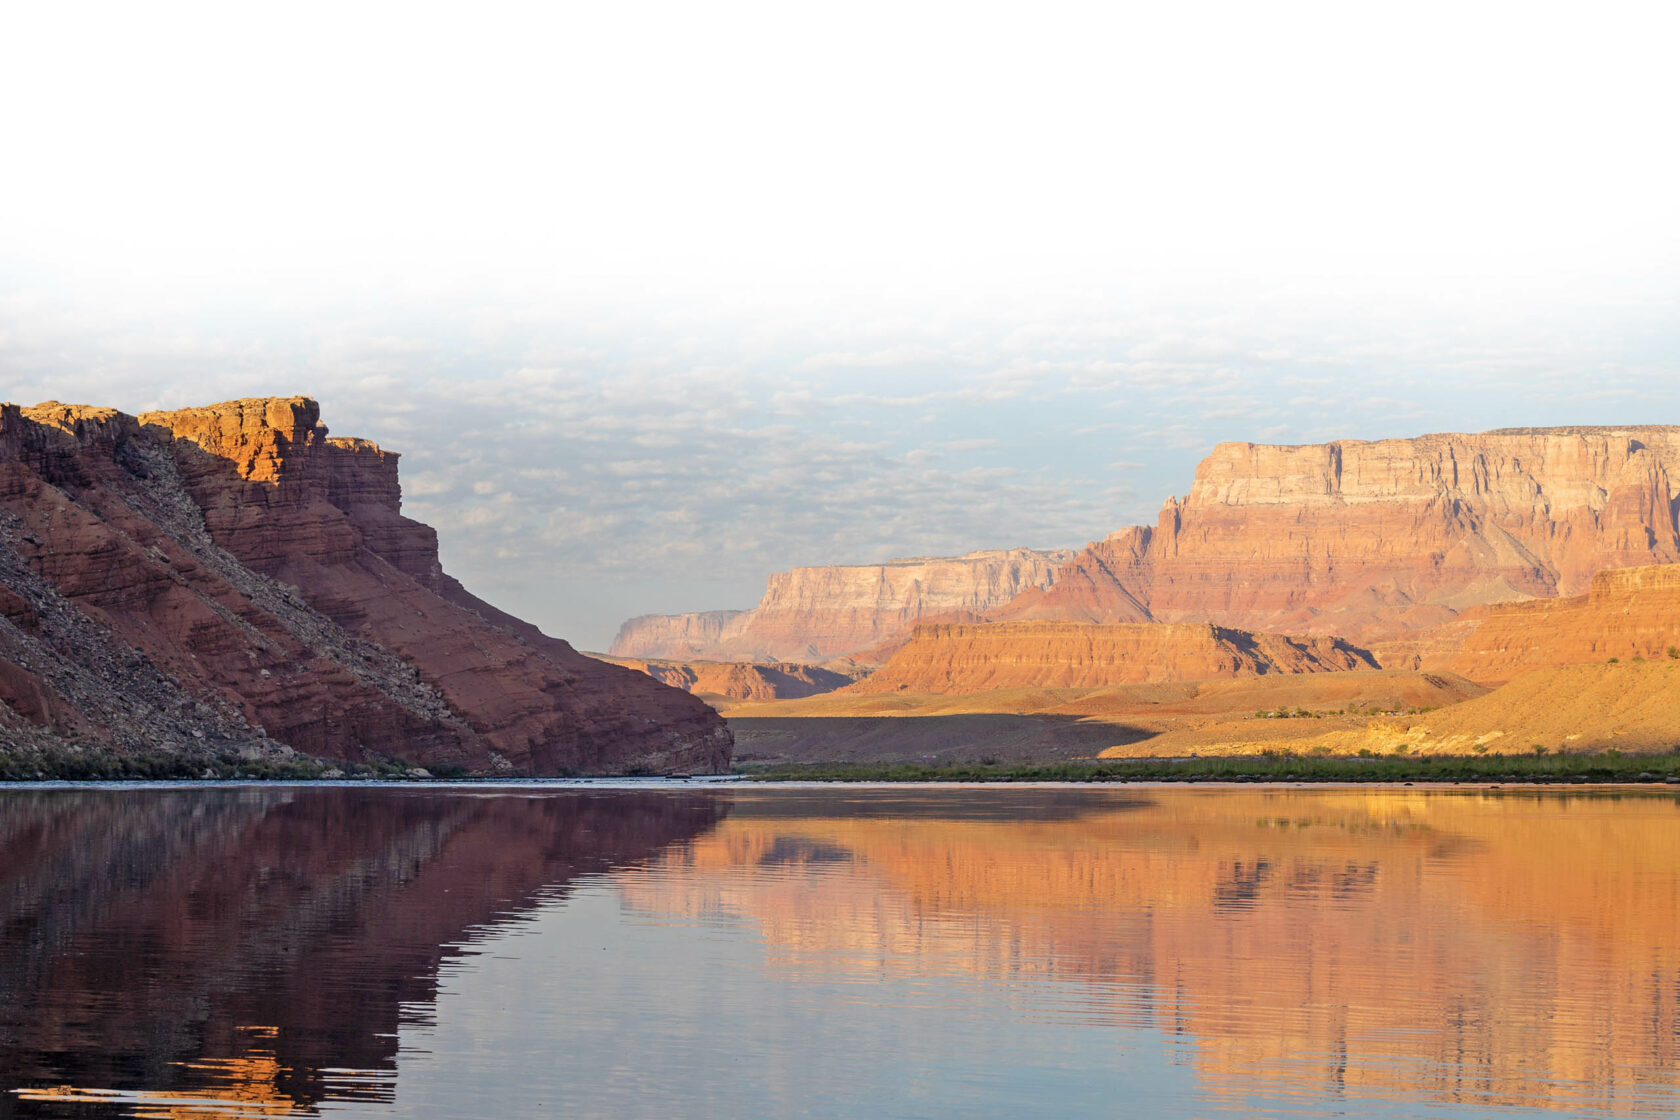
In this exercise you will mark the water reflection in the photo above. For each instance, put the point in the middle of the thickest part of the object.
(270, 951)
(1490, 950)
(253, 951)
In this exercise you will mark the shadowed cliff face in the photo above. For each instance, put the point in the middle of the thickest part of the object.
(240, 942)
(229, 576)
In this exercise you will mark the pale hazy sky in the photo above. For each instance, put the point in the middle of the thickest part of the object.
(656, 299)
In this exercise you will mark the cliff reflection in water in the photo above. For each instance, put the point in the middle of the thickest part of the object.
(241, 952)
(1483, 949)
(251, 951)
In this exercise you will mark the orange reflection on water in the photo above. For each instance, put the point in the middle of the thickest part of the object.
(1481, 948)
(246, 1086)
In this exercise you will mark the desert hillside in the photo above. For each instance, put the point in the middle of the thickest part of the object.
(1627, 613)
(1633, 707)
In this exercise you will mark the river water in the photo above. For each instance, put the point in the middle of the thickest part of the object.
(538, 950)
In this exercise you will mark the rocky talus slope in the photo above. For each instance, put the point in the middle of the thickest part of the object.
(813, 614)
(1006, 655)
(1377, 540)
(229, 578)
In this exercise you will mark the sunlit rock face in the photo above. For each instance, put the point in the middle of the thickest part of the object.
(1377, 542)
(230, 576)
(1380, 539)
(1627, 613)
(811, 614)
(1002, 655)
(1480, 949)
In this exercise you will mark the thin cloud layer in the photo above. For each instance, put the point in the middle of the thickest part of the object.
(581, 471)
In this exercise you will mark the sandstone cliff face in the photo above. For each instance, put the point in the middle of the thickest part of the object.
(812, 614)
(229, 576)
(959, 659)
(742, 680)
(1380, 539)
(674, 637)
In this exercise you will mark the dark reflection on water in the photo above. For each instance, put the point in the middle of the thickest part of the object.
(261, 944)
(269, 951)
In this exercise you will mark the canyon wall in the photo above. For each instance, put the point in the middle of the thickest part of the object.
(230, 578)
(742, 680)
(999, 655)
(812, 614)
(1380, 539)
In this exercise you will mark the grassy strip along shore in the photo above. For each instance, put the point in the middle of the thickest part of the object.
(1570, 768)
(71, 765)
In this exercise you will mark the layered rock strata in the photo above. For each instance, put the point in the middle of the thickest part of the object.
(1380, 539)
(813, 614)
(1628, 614)
(743, 680)
(1004, 655)
(231, 577)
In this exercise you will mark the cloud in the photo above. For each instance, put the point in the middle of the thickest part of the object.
(558, 454)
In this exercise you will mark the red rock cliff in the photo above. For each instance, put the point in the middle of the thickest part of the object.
(812, 614)
(1378, 539)
(231, 575)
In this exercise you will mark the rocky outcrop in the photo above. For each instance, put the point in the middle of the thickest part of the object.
(1628, 614)
(1381, 539)
(1003, 655)
(742, 680)
(230, 577)
(813, 614)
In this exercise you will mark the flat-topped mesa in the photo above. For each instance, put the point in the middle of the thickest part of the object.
(1384, 538)
(234, 562)
(1008, 655)
(813, 614)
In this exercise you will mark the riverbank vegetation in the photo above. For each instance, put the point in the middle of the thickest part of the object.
(1273, 767)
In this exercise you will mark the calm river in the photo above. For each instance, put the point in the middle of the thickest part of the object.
(271, 951)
